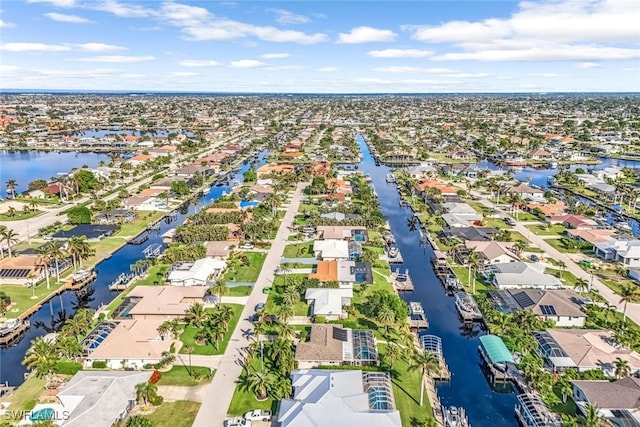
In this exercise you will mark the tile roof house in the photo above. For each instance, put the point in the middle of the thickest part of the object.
(494, 252)
(520, 275)
(326, 271)
(576, 222)
(329, 302)
(614, 399)
(334, 345)
(345, 232)
(163, 302)
(526, 191)
(339, 398)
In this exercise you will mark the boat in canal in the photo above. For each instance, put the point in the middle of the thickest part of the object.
(12, 330)
(454, 417)
(391, 178)
(467, 307)
(417, 318)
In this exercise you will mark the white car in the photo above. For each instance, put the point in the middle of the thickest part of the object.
(246, 246)
(237, 422)
(257, 415)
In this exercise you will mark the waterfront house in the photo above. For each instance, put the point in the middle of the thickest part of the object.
(331, 249)
(525, 191)
(559, 305)
(139, 159)
(21, 269)
(576, 222)
(539, 154)
(494, 252)
(618, 401)
(127, 343)
(144, 203)
(333, 345)
(592, 236)
(345, 232)
(329, 302)
(97, 398)
(583, 349)
(470, 233)
(220, 249)
(520, 275)
(549, 210)
(197, 273)
(159, 302)
(117, 216)
(339, 398)
(274, 169)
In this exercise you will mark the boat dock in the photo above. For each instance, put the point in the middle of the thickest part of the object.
(433, 344)
(417, 319)
(454, 417)
(152, 251)
(80, 279)
(401, 281)
(122, 282)
(467, 307)
(11, 331)
(139, 239)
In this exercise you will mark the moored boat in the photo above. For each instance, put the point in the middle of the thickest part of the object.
(454, 417)
(467, 307)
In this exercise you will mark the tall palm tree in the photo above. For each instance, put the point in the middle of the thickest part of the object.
(581, 286)
(196, 315)
(286, 331)
(220, 288)
(592, 417)
(45, 260)
(41, 356)
(10, 237)
(145, 392)
(259, 383)
(11, 185)
(392, 353)
(284, 312)
(386, 316)
(622, 368)
(79, 249)
(425, 362)
(56, 253)
(628, 293)
(502, 322)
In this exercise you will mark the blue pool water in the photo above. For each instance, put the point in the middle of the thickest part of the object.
(43, 414)
(248, 204)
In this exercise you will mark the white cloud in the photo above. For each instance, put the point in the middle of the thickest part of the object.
(586, 65)
(275, 55)
(100, 47)
(548, 75)
(117, 58)
(400, 53)
(123, 10)
(199, 63)
(366, 35)
(56, 3)
(72, 19)
(444, 72)
(184, 74)
(549, 30)
(248, 63)
(285, 17)
(4, 24)
(629, 69)
(374, 81)
(198, 24)
(327, 69)
(33, 47)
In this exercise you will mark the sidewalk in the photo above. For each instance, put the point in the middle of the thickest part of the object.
(219, 393)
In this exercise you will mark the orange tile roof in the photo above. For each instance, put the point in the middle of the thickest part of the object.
(326, 271)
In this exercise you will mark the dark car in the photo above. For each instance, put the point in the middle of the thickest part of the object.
(509, 221)
(259, 307)
(535, 258)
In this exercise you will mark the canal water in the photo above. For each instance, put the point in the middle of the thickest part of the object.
(468, 386)
(27, 166)
(11, 369)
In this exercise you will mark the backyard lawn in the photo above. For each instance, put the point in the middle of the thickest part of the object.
(180, 413)
(155, 274)
(244, 273)
(179, 374)
(25, 397)
(187, 336)
(21, 295)
(239, 291)
(104, 248)
(134, 227)
(547, 229)
(299, 250)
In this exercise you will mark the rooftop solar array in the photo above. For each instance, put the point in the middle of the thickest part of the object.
(535, 412)
(523, 299)
(95, 338)
(547, 345)
(548, 310)
(378, 387)
(14, 273)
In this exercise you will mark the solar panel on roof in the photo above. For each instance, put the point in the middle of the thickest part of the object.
(14, 273)
(548, 310)
(523, 299)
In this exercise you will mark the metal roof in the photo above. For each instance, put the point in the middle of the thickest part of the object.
(495, 349)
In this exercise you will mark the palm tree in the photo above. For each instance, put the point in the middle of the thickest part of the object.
(581, 286)
(279, 348)
(592, 417)
(284, 312)
(196, 315)
(258, 382)
(622, 368)
(425, 362)
(68, 346)
(225, 313)
(41, 356)
(79, 249)
(164, 329)
(386, 316)
(392, 353)
(286, 331)
(189, 349)
(216, 333)
(220, 288)
(11, 185)
(45, 259)
(145, 392)
(290, 295)
(565, 388)
(502, 322)
(10, 237)
(628, 293)
(55, 252)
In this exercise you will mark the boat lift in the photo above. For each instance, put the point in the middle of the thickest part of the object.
(152, 251)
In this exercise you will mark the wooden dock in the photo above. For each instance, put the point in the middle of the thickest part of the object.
(13, 333)
(122, 282)
(401, 281)
(417, 319)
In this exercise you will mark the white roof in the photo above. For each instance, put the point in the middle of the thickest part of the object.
(198, 271)
(332, 248)
(331, 398)
(523, 274)
(328, 301)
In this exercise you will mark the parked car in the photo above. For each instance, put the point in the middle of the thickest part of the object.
(535, 258)
(246, 245)
(237, 422)
(259, 307)
(509, 221)
(257, 415)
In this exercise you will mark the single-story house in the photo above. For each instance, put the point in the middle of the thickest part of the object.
(119, 216)
(592, 236)
(162, 302)
(144, 203)
(345, 232)
(617, 400)
(21, 269)
(525, 191)
(354, 272)
(560, 305)
(583, 349)
(626, 252)
(329, 302)
(339, 398)
(219, 249)
(332, 345)
(470, 233)
(331, 249)
(576, 222)
(520, 275)
(493, 252)
(197, 273)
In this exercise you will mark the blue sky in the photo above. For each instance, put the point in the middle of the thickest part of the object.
(324, 46)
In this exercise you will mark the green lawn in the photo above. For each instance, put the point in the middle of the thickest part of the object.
(19, 215)
(179, 374)
(21, 296)
(187, 337)
(524, 216)
(26, 396)
(180, 413)
(240, 291)
(104, 248)
(134, 227)
(557, 244)
(406, 392)
(462, 273)
(568, 408)
(544, 230)
(244, 401)
(566, 276)
(241, 273)
(515, 236)
(299, 250)
(155, 274)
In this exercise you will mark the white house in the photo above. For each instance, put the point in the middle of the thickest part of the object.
(521, 275)
(329, 302)
(626, 252)
(195, 273)
(331, 249)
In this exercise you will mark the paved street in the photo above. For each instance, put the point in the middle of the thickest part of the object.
(633, 310)
(219, 393)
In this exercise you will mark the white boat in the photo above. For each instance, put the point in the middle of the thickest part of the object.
(417, 319)
(454, 417)
(393, 252)
(467, 306)
(82, 275)
(391, 178)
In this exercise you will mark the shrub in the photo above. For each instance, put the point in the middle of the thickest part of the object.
(67, 368)
(99, 364)
(156, 400)
(319, 319)
(155, 377)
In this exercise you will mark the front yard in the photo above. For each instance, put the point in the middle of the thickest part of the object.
(180, 413)
(299, 250)
(188, 335)
(179, 374)
(244, 267)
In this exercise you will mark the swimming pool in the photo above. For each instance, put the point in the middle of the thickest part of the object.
(43, 414)
(248, 204)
